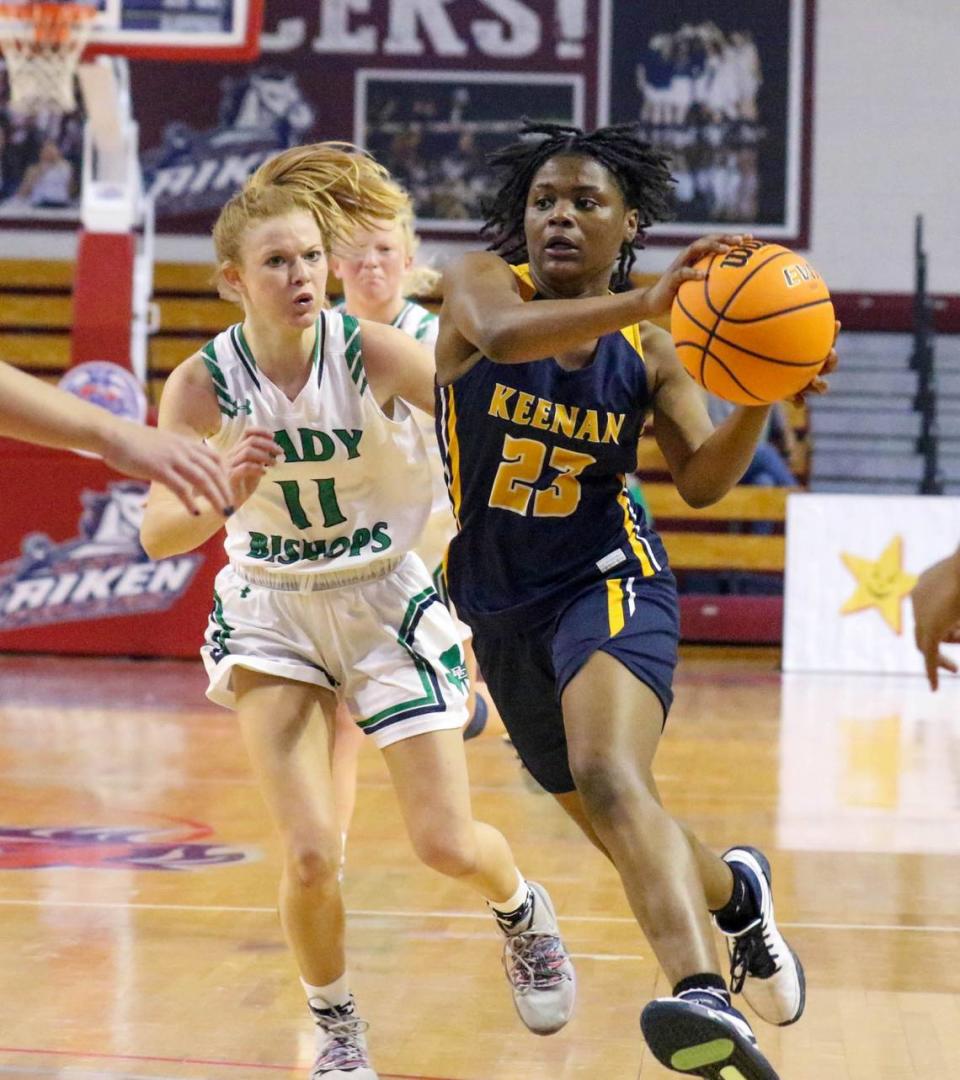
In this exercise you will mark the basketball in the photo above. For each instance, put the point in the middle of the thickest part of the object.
(758, 328)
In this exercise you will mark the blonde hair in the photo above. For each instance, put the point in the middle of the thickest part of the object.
(419, 280)
(339, 184)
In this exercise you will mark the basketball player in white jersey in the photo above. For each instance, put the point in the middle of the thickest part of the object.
(322, 599)
(376, 268)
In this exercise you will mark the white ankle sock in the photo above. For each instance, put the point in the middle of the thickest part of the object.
(325, 997)
(510, 905)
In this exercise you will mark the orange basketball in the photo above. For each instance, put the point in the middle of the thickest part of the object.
(758, 327)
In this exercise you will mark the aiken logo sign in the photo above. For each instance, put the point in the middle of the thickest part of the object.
(177, 847)
(198, 170)
(100, 573)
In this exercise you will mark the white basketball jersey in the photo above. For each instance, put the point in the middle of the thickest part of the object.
(424, 326)
(353, 485)
(414, 320)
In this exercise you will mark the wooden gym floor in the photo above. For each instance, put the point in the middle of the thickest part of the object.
(137, 877)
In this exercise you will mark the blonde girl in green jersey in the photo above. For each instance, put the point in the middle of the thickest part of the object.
(321, 600)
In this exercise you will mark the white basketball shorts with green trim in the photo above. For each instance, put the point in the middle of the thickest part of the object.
(387, 647)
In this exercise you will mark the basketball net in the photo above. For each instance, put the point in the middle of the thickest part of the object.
(42, 44)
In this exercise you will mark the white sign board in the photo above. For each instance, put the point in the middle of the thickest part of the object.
(852, 561)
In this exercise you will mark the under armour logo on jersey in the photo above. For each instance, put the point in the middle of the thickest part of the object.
(230, 407)
(457, 675)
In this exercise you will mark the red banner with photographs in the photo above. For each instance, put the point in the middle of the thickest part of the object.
(428, 87)
(431, 86)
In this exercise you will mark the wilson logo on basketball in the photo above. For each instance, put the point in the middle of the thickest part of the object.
(739, 256)
(182, 846)
(101, 572)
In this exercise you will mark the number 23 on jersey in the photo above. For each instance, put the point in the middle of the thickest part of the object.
(516, 485)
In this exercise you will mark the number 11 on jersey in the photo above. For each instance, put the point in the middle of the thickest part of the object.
(326, 492)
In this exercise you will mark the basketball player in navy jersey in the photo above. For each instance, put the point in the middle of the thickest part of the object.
(545, 378)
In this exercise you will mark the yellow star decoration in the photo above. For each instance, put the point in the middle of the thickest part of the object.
(881, 583)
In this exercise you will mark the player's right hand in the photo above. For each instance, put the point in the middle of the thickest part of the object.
(248, 461)
(658, 298)
(936, 615)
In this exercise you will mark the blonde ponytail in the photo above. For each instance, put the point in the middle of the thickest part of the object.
(342, 185)
(339, 184)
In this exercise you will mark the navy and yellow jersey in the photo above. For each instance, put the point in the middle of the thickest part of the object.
(536, 458)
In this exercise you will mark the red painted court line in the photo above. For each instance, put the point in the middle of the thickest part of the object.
(39, 1051)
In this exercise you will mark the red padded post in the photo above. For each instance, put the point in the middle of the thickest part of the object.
(103, 298)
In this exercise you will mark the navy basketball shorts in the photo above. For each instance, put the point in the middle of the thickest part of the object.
(634, 619)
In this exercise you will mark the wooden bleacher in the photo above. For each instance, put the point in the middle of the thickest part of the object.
(703, 546)
(717, 542)
(36, 310)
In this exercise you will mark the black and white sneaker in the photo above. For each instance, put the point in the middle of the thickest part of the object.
(700, 1033)
(763, 967)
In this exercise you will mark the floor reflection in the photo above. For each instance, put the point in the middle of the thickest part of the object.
(869, 763)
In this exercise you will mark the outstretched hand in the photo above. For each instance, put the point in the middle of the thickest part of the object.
(187, 467)
(936, 615)
(657, 299)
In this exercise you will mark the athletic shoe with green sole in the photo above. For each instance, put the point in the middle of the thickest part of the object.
(699, 1033)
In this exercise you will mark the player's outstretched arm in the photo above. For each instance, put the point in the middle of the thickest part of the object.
(189, 410)
(34, 412)
(658, 298)
(936, 614)
(705, 462)
(397, 366)
(483, 302)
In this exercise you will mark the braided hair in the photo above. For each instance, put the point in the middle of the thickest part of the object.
(640, 171)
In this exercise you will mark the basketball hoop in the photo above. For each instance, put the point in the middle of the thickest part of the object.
(42, 44)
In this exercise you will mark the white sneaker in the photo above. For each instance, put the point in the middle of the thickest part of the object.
(538, 968)
(341, 1044)
(700, 1033)
(763, 967)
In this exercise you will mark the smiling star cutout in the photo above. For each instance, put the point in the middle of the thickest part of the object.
(881, 583)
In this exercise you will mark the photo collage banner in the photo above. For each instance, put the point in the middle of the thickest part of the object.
(430, 87)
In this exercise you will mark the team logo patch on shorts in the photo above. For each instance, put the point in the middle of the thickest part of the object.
(456, 669)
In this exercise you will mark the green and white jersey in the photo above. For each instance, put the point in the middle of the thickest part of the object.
(414, 320)
(353, 485)
(420, 324)
(423, 326)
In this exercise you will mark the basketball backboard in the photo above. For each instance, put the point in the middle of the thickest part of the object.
(208, 30)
